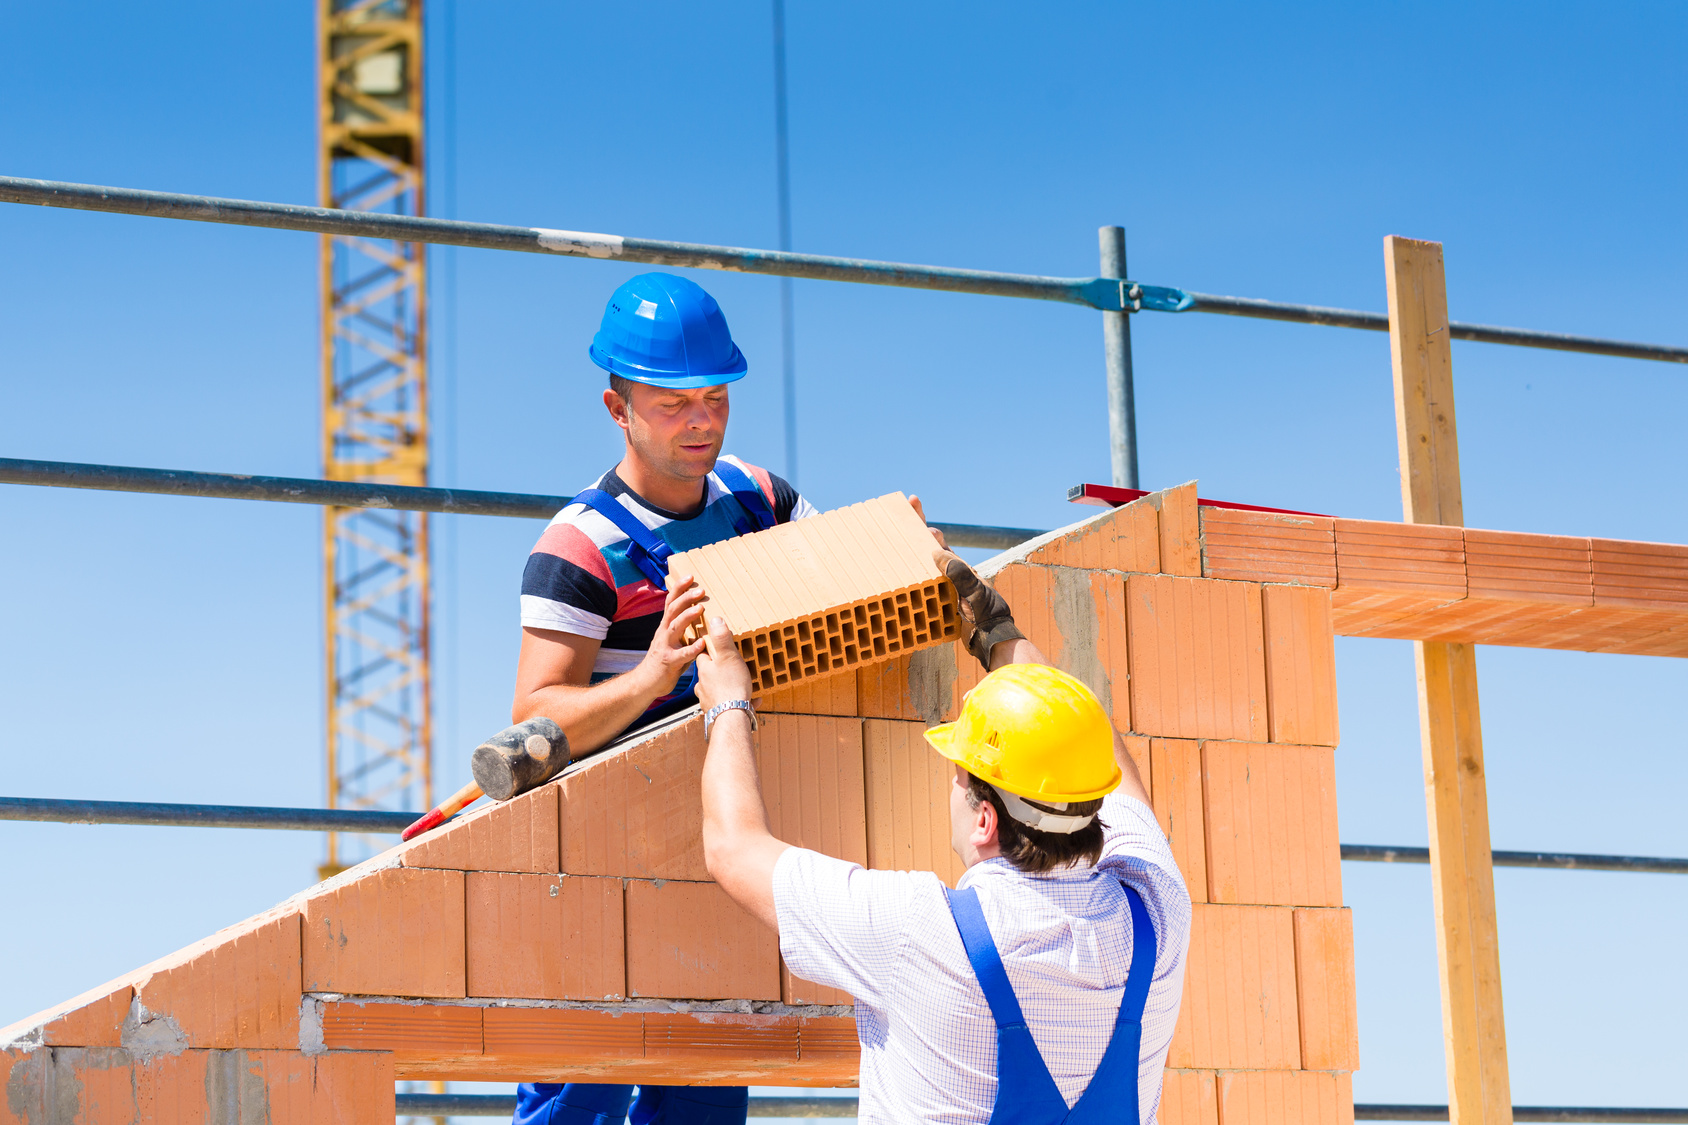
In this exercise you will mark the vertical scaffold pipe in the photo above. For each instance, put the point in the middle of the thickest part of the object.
(1116, 343)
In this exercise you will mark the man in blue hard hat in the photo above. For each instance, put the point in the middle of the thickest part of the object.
(603, 646)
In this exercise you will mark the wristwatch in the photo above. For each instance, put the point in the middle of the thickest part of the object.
(719, 709)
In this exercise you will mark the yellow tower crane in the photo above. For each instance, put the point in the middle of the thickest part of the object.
(374, 412)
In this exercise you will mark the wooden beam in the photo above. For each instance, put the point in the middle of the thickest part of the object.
(1456, 795)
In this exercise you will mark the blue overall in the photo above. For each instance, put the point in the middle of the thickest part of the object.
(1025, 1092)
(590, 1103)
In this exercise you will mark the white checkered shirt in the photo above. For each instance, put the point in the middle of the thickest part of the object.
(928, 1040)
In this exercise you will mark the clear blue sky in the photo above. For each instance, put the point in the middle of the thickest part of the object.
(165, 649)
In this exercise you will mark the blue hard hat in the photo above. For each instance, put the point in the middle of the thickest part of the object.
(666, 331)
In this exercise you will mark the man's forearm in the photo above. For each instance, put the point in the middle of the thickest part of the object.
(738, 849)
(591, 714)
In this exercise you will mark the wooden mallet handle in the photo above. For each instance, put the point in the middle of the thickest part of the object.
(444, 811)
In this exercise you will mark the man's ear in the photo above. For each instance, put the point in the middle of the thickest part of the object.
(984, 826)
(620, 409)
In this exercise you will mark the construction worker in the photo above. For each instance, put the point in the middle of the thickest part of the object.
(1044, 989)
(603, 649)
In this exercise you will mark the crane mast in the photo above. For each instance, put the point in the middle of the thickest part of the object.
(374, 414)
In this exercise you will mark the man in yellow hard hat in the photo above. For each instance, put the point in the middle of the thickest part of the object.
(1044, 989)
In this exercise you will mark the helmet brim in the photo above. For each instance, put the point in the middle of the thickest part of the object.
(942, 739)
(734, 370)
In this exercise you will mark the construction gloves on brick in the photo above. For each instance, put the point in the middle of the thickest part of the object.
(981, 607)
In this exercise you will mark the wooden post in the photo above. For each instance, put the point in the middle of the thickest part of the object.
(1456, 796)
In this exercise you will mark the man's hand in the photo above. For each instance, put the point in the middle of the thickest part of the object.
(920, 510)
(722, 673)
(981, 607)
(669, 653)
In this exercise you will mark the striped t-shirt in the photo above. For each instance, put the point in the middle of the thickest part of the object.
(579, 578)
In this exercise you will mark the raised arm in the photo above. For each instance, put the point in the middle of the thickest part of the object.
(554, 671)
(738, 849)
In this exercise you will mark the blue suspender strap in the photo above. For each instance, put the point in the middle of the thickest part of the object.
(645, 549)
(1115, 1093)
(986, 961)
(748, 495)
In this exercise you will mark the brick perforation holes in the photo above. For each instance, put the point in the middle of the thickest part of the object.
(868, 631)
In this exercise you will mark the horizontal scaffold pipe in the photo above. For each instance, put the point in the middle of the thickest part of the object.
(203, 816)
(503, 1105)
(1378, 853)
(351, 820)
(349, 494)
(1107, 294)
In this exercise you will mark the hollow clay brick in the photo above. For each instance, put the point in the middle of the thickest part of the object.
(1305, 1097)
(394, 932)
(1521, 567)
(823, 695)
(1300, 665)
(1271, 824)
(1645, 576)
(544, 937)
(717, 1034)
(238, 988)
(926, 685)
(637, 812)
(1188, 1097)
(908, 795)
(1139, 748)
(1125, 539)
(812, 783)
(1325, 996)
(689, 941)
(1268, 547)
(849, 587)
(426, 1030)
(1386, 571)
(563, 1034)
(1197, 658)
(1180, 530)
(515, 835)
(1239, 1007)
(1177, 770)
(93, 1019)
(1077, 619)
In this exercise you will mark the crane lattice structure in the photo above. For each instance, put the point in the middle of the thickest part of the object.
(374, 411)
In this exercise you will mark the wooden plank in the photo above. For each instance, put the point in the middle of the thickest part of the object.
(1462, 874)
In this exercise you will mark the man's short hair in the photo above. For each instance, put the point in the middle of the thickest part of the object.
(1036, 852)
(623, 387)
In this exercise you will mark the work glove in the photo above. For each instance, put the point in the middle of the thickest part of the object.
(981, 607)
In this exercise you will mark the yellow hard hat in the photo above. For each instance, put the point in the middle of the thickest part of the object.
(1034, 731)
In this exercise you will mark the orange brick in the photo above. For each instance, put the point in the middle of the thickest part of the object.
(638, 812)
(927, 685)
(1306, 1097)
(1198, 662)
(707, 1035)
(1386, 571)
(849, 587)
(563, 1033)
(1268, 547)
(516, 835)
(908, 794)
(93, 1019)
(341, 1087)
(545, 937)
(1138, 747)
(1239, 1007)
(1648, 576)
(1533, 568)
(1188, 1097)
(433, 1030)
(1325, 998)
(689, 941)
(1300, 665)
(396, 932)
(823, 695)
(1077, 618)
(238, 988)
(1125, 539)
(1271, 824)
(812, 783)
(1177, 769)
(1180, 530)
